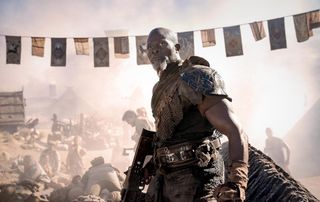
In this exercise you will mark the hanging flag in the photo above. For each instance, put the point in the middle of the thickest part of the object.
(38, 46)
(232, 41)
(13, 49)
(258, 30)
(304, 23)
(121, 47)
(277, 33)
(141, 46)
(101, 52)
(186, 41)
(314, 19)
(208, 37)
(58, 51)
(82, 46)
(302, 28)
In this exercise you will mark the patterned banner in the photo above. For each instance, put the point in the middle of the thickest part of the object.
(121, 47)
(258, 30)
(314, 19)
(232, 41)
(13, 49)
(301, 26)
(304, 24)
(58, 51)
(186, 41)
(81, 46)
(101, 52)
(141, 46)
(38, 46)
(208, 37)
(277, 34)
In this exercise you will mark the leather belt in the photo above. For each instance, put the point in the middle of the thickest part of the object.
(183, 154)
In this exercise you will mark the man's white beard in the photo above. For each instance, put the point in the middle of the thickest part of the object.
(161, 66)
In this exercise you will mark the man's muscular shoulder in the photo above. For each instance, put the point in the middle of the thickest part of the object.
(196, 60)
(200, 77)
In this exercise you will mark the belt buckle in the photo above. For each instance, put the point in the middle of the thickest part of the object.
(170, 157)
(182, 153)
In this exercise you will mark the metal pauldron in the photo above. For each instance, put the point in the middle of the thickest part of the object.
(188, 153)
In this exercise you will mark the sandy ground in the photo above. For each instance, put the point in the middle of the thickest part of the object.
(13, 148)
(111, 155)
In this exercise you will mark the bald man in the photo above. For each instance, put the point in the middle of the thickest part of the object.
(189, 103)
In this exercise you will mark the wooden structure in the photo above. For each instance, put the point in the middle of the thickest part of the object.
(12, 111)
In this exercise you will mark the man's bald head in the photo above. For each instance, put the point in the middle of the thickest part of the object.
(162, 48)
(165, 33)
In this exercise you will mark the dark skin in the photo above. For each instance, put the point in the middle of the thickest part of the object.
(222, 116)
(163, 49)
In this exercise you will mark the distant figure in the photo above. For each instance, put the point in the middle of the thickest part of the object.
(74, 162)
(56, 127)
(60, 126)
(101, 178)
(50, 159)
(75, 188)
(34, 133)
(31, 170)
(68, 193)
(142, 112)
(274, 148)
(138, 122)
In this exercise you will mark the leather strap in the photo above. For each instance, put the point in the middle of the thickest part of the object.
(183, 154)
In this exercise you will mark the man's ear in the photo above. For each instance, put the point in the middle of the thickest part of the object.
(177, 47)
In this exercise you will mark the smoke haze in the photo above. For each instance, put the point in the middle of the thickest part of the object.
(269, 88)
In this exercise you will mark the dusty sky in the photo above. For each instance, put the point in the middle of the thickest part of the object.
(269, 88)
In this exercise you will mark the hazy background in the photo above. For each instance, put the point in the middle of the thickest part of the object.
(269, 88)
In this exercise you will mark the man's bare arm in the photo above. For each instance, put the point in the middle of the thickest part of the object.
(220, 114)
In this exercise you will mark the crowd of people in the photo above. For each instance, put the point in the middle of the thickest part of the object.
(60, 164)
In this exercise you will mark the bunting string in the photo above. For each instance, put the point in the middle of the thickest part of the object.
(304, 23)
